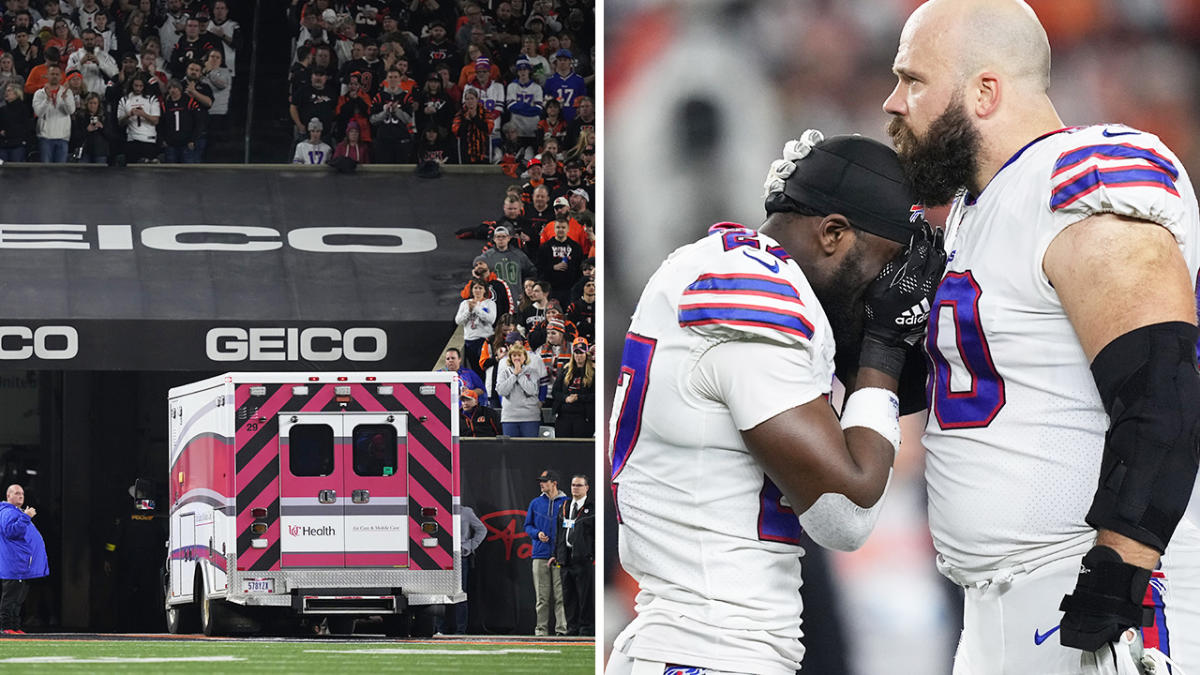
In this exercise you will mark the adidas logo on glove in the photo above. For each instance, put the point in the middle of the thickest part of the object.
(915, 315)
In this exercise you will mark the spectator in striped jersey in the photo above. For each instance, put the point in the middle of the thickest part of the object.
(552, 125)
(391, 113)
(555, 352)
(473, 130)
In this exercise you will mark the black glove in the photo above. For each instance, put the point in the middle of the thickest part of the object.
(1106, 602)
(898, 302)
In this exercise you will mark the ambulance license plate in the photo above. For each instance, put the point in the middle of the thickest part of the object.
(258, 585)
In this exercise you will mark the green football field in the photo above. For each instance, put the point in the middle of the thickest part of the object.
(340, 657)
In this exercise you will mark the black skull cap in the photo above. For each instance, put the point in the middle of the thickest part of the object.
(859, 178)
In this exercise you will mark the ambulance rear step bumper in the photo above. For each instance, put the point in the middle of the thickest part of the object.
(348, 601)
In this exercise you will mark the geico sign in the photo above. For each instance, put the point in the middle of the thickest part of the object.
(217, 238)
(292, 344)
(44, 342)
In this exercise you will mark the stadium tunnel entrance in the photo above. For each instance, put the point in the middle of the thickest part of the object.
(107, 304)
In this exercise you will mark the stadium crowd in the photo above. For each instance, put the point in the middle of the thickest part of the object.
(528, 310)
(383, 81)
(113, 81)
(429, 82)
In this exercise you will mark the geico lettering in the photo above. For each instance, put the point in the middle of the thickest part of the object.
(267, 344)
(226, 344)
(362, 240)
(42, 236)
(45, 342)
(320, 344)
(352, 337)
(291, 344)
(244, 238)
(250, 238)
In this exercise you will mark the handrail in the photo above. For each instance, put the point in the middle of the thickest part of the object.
(250, 88)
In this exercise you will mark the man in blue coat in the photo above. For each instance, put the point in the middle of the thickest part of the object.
(541, 524)
(22, 557)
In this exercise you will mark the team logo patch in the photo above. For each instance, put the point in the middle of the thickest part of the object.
(916, 212)
(684, 670)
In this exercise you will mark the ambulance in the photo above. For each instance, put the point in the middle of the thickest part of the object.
(313, 500)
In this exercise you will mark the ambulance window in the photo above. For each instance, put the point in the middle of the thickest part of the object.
(310, 450)
(375, 450)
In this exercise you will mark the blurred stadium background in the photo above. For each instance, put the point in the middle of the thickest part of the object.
(700, 97)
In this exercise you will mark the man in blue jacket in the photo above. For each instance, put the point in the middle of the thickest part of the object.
(22, 557)
(541, 524)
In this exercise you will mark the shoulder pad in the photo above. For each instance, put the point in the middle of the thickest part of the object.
(746, 292)
(1119, 170)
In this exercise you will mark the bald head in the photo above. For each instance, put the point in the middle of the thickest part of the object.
(971, 89)
(971, 36)
(15, 495)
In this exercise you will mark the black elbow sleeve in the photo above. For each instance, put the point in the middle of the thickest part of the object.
(1150, 387)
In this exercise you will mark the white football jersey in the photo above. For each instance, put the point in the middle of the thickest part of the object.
(1016, 427)
(727, 334)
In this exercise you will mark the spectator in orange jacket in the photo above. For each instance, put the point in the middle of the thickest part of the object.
(574, 229)
(37, 74)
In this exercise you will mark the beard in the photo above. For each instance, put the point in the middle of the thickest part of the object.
(942, 162)
(841, 298)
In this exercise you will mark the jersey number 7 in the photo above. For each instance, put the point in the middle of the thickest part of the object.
(631, 392)
(776, 521)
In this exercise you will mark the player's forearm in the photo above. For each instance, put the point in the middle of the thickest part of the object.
(872, 457)
(871, 448)
(1132, 552)
(807, 454)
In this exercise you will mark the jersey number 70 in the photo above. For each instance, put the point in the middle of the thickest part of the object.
(978, 406)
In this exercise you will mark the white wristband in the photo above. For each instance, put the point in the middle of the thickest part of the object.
(876, 409)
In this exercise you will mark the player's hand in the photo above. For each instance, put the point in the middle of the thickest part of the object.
(30, 511)
(1107, 601)
(898, 301)
(542, 536)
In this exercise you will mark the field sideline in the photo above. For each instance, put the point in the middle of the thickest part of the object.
(89, 654)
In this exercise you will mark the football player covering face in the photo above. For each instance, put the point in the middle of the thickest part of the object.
(724, 444)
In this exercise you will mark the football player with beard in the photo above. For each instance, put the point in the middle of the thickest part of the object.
(1064, 394)
(723, 441)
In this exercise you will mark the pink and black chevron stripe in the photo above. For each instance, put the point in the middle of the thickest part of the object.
(432, 465)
